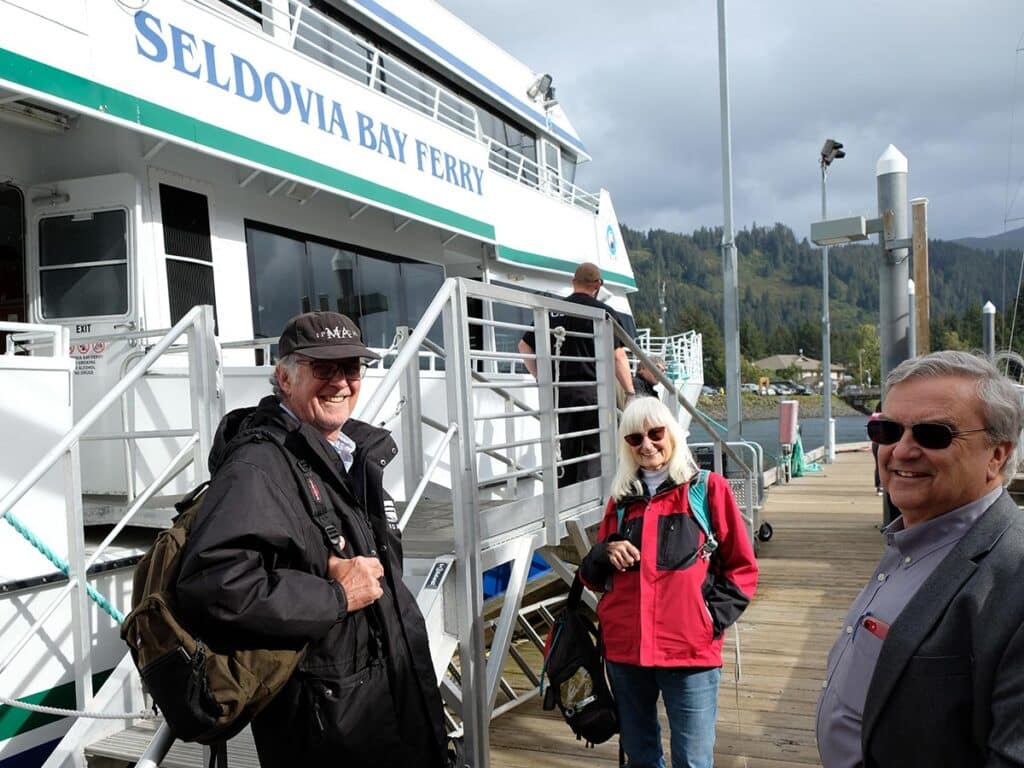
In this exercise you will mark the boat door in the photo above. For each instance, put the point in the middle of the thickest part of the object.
(12, 257)
(82, 243)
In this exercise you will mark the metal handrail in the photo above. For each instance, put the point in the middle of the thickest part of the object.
(434, 462)
(371, 408)
(41, 467)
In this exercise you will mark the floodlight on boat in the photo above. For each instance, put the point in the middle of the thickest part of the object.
(34, 117)
(541, 87)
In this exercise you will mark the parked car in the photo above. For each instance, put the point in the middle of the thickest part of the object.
(748, 388)
(789, 387)
(706, 390)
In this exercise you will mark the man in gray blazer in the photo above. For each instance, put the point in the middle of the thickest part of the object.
(928, 670)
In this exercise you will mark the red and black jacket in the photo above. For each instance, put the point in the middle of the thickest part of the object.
(672, 609)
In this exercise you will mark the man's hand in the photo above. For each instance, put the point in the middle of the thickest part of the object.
(622, 554)
(359, 577)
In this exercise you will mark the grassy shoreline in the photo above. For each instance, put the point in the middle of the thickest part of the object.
(767, 406)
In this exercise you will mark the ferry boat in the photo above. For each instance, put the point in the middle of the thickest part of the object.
(177, 179)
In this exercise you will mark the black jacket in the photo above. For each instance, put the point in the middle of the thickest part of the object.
(255, 574)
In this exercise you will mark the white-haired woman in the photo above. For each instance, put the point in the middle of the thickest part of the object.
(670, 588)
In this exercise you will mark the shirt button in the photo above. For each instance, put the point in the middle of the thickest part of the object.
(906, 560)
(824, 683)
(881, 577)
(849, 630)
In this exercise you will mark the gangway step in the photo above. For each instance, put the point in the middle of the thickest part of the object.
(125, 748)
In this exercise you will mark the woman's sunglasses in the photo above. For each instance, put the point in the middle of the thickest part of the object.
(931, 436)
(636, 439)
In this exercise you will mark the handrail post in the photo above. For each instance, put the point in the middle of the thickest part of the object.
(412, 433)
(546, 396)
(466, 520)
(81, 635)
(604, 338)
(205, 385)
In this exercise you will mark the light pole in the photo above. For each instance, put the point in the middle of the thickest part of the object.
(832, 150)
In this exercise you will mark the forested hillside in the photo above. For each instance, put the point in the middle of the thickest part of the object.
(780, 293)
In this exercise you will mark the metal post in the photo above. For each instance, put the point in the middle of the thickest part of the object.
(80, 629)
(988, 330)
(412, 433)
(919, 216)
(912, 319)
(891, 172)
(466, 507)
(604, 337)
(205, 385)
(730, 283)
(826, 338)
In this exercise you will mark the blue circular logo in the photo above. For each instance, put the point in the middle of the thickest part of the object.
(609, 236)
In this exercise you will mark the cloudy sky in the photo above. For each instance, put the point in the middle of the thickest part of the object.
(639, 80)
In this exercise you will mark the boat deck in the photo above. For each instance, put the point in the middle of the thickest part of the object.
(825, 547)
(824, 550)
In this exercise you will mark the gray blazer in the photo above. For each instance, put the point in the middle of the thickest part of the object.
(948, 689)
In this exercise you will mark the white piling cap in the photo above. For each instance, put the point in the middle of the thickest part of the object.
(892, 161)
(910, 287)
(989, 308)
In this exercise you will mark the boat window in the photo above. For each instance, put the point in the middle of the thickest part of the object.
(189, 253)
(292, 273)
(12, 257)
(277, 264)
(569, 165)
(83, 264)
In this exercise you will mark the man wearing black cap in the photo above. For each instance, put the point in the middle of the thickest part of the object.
(586, 283)
(260, 572)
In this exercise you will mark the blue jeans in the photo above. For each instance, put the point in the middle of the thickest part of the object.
(691, 702)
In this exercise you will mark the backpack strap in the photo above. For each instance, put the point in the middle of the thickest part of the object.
(309, 488)
(697, 494)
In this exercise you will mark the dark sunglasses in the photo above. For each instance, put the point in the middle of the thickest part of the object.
(636, 439)
(932, 436)
(326, 370)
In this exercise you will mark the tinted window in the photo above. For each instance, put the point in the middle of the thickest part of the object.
(291, 273)
(83, 264)
(276, 272)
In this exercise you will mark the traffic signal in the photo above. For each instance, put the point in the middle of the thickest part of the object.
(832, 150)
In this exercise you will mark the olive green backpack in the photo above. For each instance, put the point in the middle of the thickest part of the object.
(205, 695)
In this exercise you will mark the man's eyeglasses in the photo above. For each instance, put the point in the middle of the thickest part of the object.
(636, 439)
(325, 370)
(931, 436)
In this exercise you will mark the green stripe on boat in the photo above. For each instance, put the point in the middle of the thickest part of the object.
(94, 96)
(559, 265)
(14, 721)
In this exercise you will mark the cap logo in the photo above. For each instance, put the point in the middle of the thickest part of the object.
(336, 333)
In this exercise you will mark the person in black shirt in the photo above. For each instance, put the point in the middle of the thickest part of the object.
(586, 283)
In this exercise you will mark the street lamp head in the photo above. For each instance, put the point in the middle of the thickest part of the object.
(831, 150)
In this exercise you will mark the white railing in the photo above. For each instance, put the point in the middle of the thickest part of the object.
(682, 353)
(515, 165)
(322, 39)
(207, 407)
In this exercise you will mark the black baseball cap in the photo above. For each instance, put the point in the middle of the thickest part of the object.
(323, 336)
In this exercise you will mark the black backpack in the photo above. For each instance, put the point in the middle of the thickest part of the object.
(575, 670)
(205, 695)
